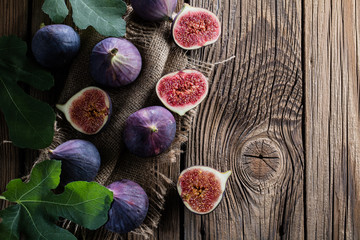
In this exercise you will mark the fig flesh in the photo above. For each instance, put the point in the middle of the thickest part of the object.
(149, 131)
(88, 110)
(183, 90)
(115, 62)
(129, 207)
(80, 160)
(195, 27)
(201, 188)
(154, 10)
(55, 45)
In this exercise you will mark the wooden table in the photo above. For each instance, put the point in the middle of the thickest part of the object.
(283, 115)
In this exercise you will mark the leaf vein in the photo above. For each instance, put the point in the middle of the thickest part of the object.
(17, 107)
(37, 185)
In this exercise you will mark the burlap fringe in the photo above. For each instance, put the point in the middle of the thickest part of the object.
(142, 36)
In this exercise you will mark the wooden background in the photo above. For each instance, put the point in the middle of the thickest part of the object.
(283, 115)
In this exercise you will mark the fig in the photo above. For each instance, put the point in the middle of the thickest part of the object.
(149, 131)
(129, 208)
(154, 10)
(195, 27)
(201, 188)
(115, 62)
(183, 90)
(88, 110)
(55, 45)
(80, 160)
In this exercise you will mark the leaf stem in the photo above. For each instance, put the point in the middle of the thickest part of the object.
(2, 197)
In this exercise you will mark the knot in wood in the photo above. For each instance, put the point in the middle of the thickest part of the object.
(260, 161)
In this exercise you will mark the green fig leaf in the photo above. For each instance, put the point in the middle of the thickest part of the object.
(105, 16)
(38, 208)
(30, 121)
(56, 9)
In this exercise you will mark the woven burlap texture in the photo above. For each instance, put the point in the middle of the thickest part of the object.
(160, 56)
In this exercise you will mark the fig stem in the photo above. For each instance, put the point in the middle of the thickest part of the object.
(227, 174)
(173, 16)
(153, 129)
(61, 107)
(114, 51)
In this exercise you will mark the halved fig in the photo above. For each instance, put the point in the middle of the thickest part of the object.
(195, 27)
(88, 110)
(201, 188)
(183, 90)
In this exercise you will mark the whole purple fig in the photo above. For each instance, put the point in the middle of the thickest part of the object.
(154, 10)
(115, 62)
(149, 131)
(129, 207)
(55, 45)
(80, 160)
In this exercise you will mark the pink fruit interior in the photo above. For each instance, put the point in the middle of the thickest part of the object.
(196, 28)
(182, 88)
(200, 189)
(89, 110)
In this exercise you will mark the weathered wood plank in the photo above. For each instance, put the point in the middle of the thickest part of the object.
(332, 51)
(13, 19)
(251, 123)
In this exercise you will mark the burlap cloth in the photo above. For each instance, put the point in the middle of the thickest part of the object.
(160, 56)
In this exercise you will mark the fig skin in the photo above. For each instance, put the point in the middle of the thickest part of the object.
(54, 46)
(93, 119)
(149, 131)
(203, 187)
(129, 208)
(154, 10)
(199, 34)
(80, 160)
(180, 99)
(115, 62)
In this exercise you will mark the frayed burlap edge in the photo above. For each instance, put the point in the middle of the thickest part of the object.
(142, 36)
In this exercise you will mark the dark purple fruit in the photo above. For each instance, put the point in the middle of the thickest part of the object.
(195, 27)
(129, 207)
(88, 110)
(183, 90)
(80, 160)
(201, 188)
(55, 45)
(149, 131)
(154, 10)
(115, 62)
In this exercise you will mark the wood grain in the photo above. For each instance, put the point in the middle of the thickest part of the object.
(332, 51)
(251, 123)
(13, 19)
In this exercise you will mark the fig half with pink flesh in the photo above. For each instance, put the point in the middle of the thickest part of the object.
(201, 188)
(88, 110)
(195, 27)
(183, 90)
